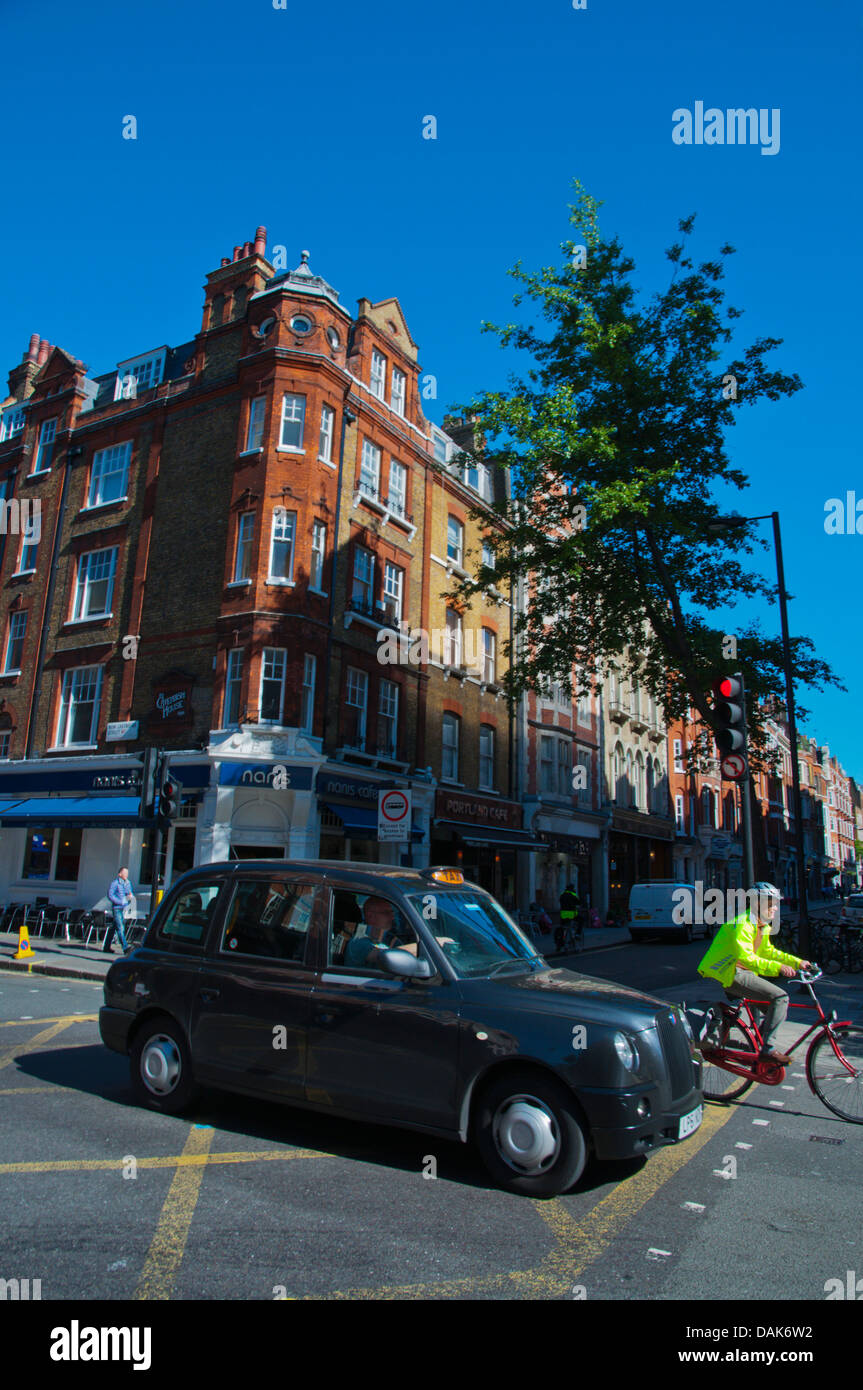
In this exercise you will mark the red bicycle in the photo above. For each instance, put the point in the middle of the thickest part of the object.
(729, 1041)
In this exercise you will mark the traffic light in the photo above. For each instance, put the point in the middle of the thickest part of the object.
(730, 711)
(168, 803)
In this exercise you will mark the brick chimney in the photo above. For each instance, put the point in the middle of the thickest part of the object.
(21, 377)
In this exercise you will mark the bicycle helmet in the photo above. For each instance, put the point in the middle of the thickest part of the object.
(768, 894)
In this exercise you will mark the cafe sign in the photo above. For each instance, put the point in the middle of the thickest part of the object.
(172, 707)
(478, 810)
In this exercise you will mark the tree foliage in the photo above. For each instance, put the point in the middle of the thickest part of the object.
(615, 435)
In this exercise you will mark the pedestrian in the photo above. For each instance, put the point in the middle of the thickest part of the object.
(569, 905)
(119, 896)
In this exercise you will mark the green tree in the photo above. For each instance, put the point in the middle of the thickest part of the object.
(615, 438)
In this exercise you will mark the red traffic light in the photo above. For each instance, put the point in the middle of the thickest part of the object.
(727, 688)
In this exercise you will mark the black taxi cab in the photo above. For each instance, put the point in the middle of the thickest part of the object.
(404, 997)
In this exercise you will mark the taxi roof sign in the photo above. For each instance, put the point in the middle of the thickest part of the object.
(444, 875)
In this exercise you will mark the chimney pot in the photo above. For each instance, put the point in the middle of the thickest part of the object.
(44, 349)
(33, 350)
(226, 260)
(237, 250)
(261, 241)
(247, 248)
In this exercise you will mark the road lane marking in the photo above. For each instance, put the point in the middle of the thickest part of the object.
(61, 1018)
(172, 1231)
(654, 1254)
(761, 1122)
(579, 1242)
(10, 1054)
(692, 1206)
(186, 1159)
(742, 1146)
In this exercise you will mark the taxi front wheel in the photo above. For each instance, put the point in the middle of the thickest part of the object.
(529, 1134)
(161, 1068)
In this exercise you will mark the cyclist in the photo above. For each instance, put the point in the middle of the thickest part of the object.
(569, 905)
(741, 952)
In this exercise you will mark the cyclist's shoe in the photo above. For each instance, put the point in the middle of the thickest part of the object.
(770, 1055)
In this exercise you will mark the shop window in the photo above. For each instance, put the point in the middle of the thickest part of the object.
(52, 854)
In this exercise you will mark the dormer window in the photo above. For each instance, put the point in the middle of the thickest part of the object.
(139, 374)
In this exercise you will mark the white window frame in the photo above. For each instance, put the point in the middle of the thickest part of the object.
(378, 374)
(319, 552)
(90, 679)
(28, 556)
(394, 587)
(449, 746)
(488, 556)
(678, 755)
(370, 468)
(12, 422)
(547, 764)
(489, 656)
(325, 438)
(45, 447)
(293, 418)
(398, 390)
(245, 543)
(388, 713)
(112, 462)
(453, 523)
(255, 426)
(233, 686)
(397, 497)
(453, 639)
(307, 711)
(283, 532)
(139, 374)
(274, 666)
(679, 813)
(363, 578)
(14, 636)
(88, 562)
(486, 757)
(357, 686)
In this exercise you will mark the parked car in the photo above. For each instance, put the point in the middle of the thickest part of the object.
(402, 997)
(852, 911)
(667, 907)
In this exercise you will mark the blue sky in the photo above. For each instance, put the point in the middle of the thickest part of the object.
(309, 120)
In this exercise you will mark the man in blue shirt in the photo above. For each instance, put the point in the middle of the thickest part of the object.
(119, 896)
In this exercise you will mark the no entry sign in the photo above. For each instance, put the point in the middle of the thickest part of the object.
(733, 766)
(394, 815)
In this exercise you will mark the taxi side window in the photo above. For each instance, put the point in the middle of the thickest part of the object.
(187, 921)
(362, 925)
(269, 918)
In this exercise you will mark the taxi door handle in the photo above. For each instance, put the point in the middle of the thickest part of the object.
(208, 995)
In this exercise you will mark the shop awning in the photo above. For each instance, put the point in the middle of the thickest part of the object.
(490, 835)
(91, 812)
(361, 821)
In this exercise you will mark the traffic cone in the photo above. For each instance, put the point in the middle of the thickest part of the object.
(24, 948)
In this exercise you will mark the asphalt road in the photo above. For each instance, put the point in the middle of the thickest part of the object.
(246, 1200)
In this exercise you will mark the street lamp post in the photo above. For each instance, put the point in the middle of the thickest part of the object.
(730, 523)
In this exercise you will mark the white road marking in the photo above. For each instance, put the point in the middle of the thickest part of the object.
(801, 1074)
(761, 1122)
(23, 1016)
(789, 1088)
(778, 1103)
(721, 1173)
(743, 1146)
(692, 1206)
(653, 1254)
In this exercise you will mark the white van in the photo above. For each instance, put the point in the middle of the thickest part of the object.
(654, 908)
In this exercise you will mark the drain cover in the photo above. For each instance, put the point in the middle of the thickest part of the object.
(821, 1139)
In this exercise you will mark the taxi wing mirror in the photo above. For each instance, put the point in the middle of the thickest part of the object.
(405, 964)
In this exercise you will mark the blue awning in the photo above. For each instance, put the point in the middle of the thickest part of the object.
(84, 811)
(357, 820)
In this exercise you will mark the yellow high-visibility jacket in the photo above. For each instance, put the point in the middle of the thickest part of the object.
(734, 944)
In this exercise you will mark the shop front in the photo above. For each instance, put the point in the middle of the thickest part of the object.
(348, 810)
(570, 855)
(640, 849)
(482, 836)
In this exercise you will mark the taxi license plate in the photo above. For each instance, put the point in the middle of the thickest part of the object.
(689, 1123)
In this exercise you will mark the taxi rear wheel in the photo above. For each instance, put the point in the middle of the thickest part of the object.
(529, 1134)
(161, 1068)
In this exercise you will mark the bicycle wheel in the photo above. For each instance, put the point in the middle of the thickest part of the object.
(717, 1083)
(837, 1088)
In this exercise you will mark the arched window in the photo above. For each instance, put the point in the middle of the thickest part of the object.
(619, 776)
(659, 803)
(638, 789)
(650, 788)
(629, 794)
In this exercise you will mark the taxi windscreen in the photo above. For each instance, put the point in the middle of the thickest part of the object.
(473, 930)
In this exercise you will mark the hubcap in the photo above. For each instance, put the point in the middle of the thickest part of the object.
(526, 1135)
(160, 1065)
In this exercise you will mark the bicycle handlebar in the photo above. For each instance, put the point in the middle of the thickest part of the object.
(807, 978)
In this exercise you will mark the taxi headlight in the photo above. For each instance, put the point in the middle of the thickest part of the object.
(625, 1051)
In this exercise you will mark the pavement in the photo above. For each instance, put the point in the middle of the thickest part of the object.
(74, 959)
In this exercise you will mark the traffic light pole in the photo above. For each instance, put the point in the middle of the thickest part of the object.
(746, 800)
(800, 843)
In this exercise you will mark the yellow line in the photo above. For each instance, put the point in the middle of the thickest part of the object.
(61, 1018)
(32, 1090)
(166, 1249)
(578, 1241)
(9, 1054)
(189, 1158)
